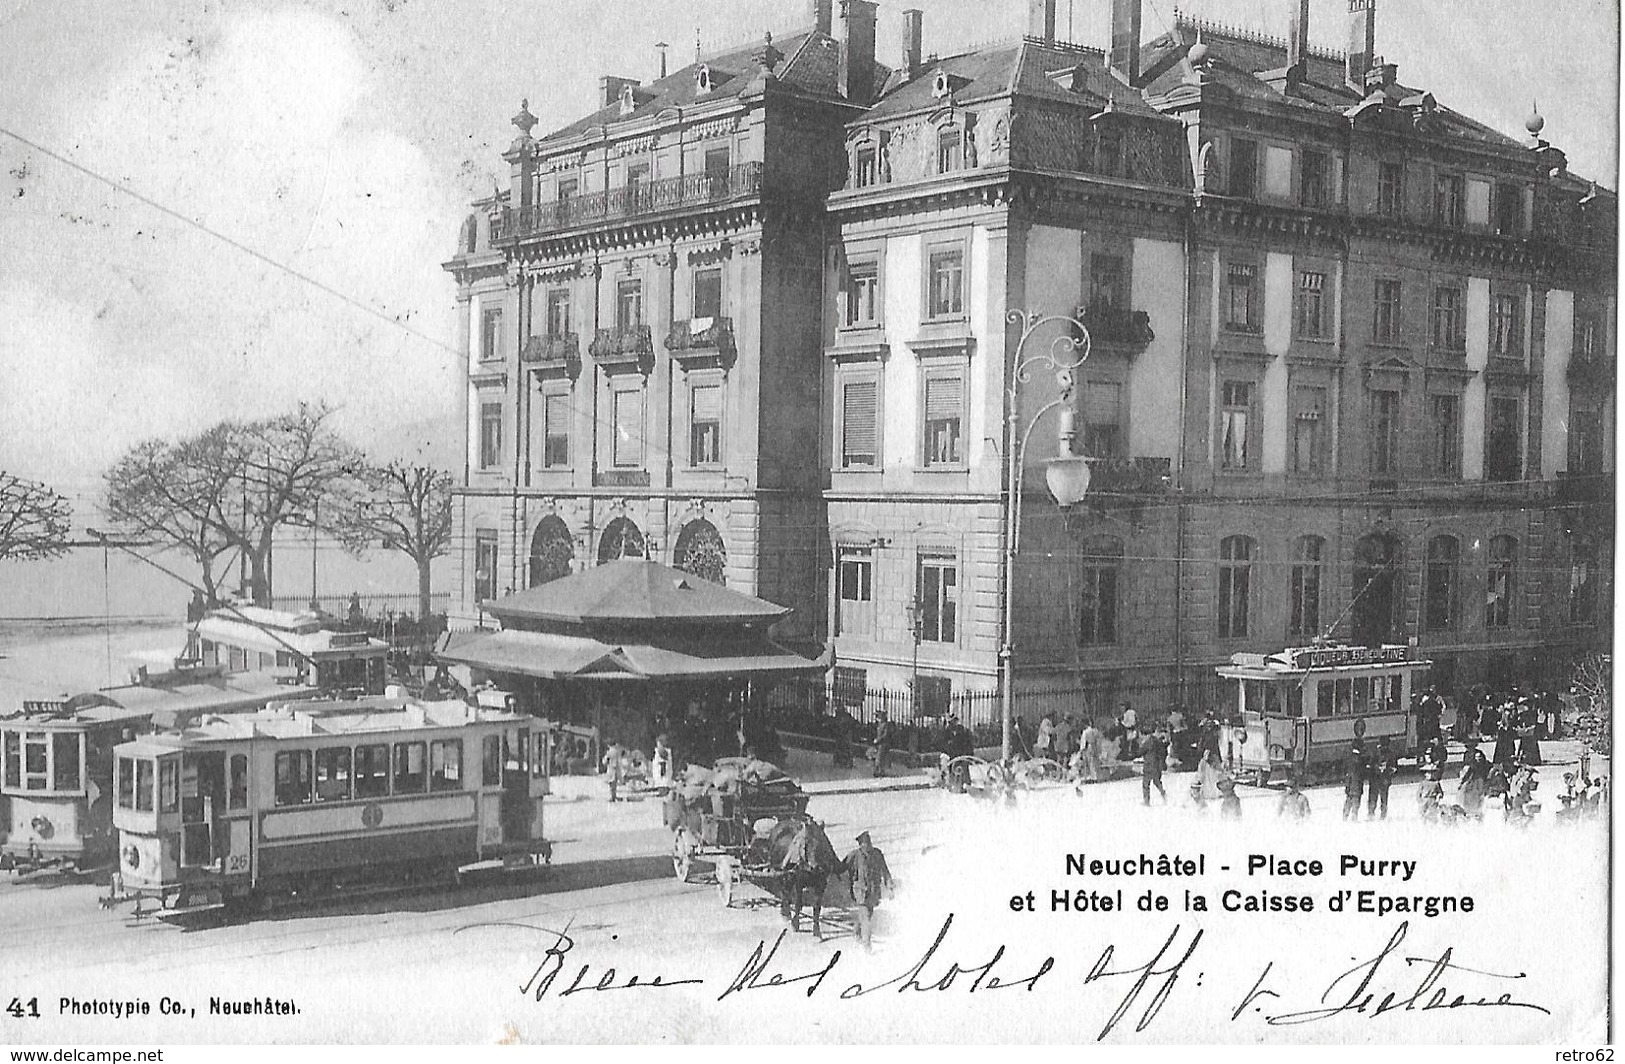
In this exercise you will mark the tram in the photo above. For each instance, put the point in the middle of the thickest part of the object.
(56, 774)
(1302, 709)
(290, 801)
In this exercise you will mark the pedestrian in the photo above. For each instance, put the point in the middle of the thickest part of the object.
(1437, 754)
(1090, 745)
(615, 768)
(881, 744)
(1176, 734)
(1430, 799)
(871, 880)
(1152, 765)
(1061, 746)
(1208, 774)
(1294, 804)
(1043, 745)
(1354, 774)
(1129, 721)
(663, 766)
(844, 725)
(1384, 767)
(1506, 742)
(1472, 784)
(1229, 801)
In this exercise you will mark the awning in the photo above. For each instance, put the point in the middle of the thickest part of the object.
(553, 656)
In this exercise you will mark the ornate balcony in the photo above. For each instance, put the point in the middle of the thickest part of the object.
(700, 339)
(628, 348)
(649, 197)
(1131, 476)
(562, 352)
(1117, 326)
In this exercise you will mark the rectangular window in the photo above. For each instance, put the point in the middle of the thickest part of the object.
(1243, 167)
(568, 187)
(491, 761)
(708, 293)
(854, 580)
(411, 773)
(944, 407)
(1385, 320)
(1446, 411)
(237, 785)
(718, 161)
(1449, 199)
(36, 761)
(558, 312)
(169, 785)
(629, 305)
(705, 424)
(1448, 327)
(1505, 458)
(1583, 583)
(1107, 283)
(1508, 209)
(555, 430)
(1235, 595)
(947, 275)
(862, 303)
(485, 564)
(1311, 310)
(1323, 698)
(1241, 303)
(446, 765)
(858, 425)
(143, 785)
(1391, 189)
(13, 758)
(126, 775)
(1585, 441)
(292, 777)
(1097, 602)
(333, 774)
(491, 334)
(1235, 417)
(1309, 431)
(372, 771)
(637, 176)
(1506, 338)
(1585, 337)
(1384, 432)
(939, 599)
(1102, 416)
(490, 435)
(1305, 591)
(949, 150)
(628, 413)
(867, 170)
(65, 760)
(1314, 178)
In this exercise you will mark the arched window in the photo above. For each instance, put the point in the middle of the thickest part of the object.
(1236, 554)
(1376, 589)
(1501, 582)
(1439, 583)
(622, 539)
(700, 551)
(1097, 598)
(1308, 556)
(1583, 581)
(551, 551)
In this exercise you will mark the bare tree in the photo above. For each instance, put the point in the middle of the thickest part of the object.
(222, 494)
(1591, 687)
(34, 520)
(400, 507)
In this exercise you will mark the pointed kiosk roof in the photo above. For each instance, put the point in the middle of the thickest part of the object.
(634, 590)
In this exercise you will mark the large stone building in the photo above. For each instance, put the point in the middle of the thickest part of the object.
(1350, 363)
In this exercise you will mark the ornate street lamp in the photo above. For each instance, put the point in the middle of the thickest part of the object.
(1067, 474)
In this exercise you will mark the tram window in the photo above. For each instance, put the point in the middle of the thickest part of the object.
(1362, 695)
(169, 786)
(35, 776)
(538, 762)
(65, 761)
(1272, 699)
(293, 777)
(1345, 696)
(491, 761)
(333, 774)
(409, 769)
(1323, 698)
(126, 783)
(237, 796)
(1396, 695)
(14, 759)
(515, 756)
(1294, 700)
(446, 765)
(143, 785)
(371, 771)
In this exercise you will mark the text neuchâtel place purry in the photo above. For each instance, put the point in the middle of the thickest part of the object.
(1171, 865)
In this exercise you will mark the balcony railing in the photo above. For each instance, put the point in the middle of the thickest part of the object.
(1131, 476)
(623, 346)
(631, 201)
(561, 352)
(702, 336)
(1117, 325)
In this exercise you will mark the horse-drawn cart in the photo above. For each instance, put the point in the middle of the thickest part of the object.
(717, 815)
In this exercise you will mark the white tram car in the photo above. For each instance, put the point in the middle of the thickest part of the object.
(286, 800)
(1302, 709)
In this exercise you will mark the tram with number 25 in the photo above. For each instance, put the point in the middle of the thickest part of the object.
(1302, 709)
(285, 801)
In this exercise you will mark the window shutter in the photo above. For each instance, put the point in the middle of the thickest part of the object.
(943, 398)
(707, 402)
(1100, 403)
(558, 415)
(858, 418)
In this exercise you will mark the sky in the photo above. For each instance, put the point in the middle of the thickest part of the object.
(341, 140)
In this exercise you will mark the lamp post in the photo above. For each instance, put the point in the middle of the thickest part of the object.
(1067, 474)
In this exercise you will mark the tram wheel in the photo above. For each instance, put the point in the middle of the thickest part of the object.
(682, 854)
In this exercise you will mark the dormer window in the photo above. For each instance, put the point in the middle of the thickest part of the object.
(629, 100)
(867, 166)
(950, 149)
(941, 86)
(702, 79)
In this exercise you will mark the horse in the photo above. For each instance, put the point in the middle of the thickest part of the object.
(798, 847)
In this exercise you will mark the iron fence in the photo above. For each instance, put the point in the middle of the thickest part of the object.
(376, 605)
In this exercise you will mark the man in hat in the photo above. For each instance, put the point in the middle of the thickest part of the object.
(1155, 760)
(882, 741)
(1384, 767)
(870, 880)
(1354, 773)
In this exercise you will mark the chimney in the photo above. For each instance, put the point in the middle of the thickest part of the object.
(1125, 54)
(1041, 20)
(1297, 42)
(609, 89)
(1362, 41)
(913, 40)
(858, 50)
(822, 16)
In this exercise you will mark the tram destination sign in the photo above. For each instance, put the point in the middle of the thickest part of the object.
(1331, 657)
